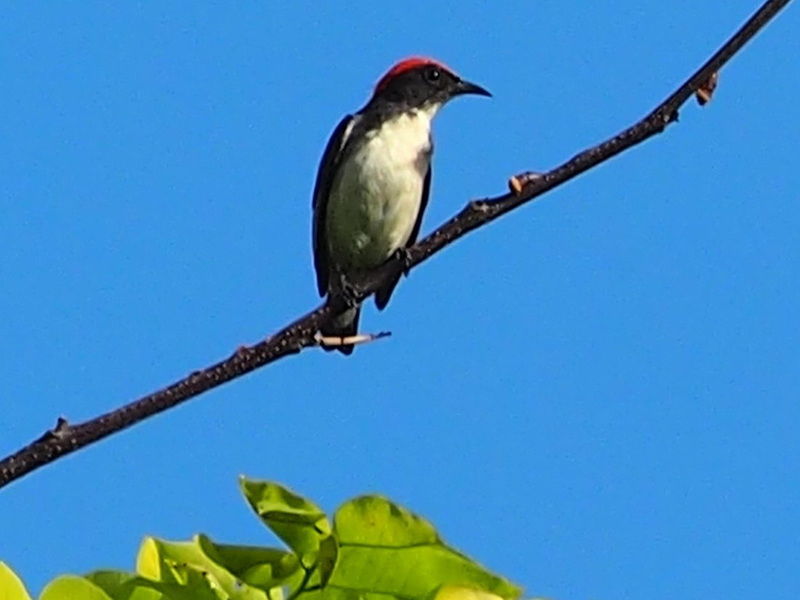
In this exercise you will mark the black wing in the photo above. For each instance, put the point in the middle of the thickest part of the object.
(322, 189)
(382, 295)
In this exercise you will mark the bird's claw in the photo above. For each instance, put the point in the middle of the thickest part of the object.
(404, 256)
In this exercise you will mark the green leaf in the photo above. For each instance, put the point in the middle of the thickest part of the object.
(300, 523)
(374, 520)
(328, 553)
(11, 587)
(334, 593)
(264, 568)
(186, 564)
(457, 592)
(125, 586)
(385, 549)
(71, 587)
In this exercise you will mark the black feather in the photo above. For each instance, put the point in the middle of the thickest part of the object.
(322, 189)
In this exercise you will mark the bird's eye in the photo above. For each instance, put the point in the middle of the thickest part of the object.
(433, 74)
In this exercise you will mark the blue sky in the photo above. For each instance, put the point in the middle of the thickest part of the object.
(596, 396)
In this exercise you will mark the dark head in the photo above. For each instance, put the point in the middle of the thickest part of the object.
(422, 83)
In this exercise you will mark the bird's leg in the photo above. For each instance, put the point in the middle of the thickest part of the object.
(348, 290)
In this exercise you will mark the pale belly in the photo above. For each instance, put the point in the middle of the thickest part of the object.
(372, 210)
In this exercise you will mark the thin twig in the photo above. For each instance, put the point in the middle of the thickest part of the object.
(300, 334)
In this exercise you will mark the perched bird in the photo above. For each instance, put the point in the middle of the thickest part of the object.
(374, 180)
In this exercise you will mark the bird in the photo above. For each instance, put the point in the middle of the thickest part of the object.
(374, 180)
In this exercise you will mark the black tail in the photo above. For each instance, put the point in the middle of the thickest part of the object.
(344, 325)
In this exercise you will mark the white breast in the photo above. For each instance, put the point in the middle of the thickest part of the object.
(377, 194)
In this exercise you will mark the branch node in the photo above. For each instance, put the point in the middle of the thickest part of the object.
(517, 183)
(59, 432)
(706, 90)
(480, 206)
(673, 117)
(61, 427)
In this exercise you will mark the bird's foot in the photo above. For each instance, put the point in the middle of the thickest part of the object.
(404, 256)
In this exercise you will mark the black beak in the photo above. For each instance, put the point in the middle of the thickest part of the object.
(465, 87)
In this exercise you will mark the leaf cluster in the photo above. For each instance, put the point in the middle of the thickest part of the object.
(372, 549)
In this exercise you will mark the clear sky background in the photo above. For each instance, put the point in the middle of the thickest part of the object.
(596, 396)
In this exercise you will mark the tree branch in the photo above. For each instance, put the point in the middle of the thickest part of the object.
(65, 438)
